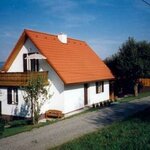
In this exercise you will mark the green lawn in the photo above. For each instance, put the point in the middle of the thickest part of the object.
(130, 134)
(21, 128)
(130, 98)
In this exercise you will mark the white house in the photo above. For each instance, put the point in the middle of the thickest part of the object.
(77, 75)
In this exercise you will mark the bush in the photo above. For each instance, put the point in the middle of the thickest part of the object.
(2, 124)
(18, 123)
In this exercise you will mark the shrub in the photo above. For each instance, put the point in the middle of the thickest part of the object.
(2, 124)
(18, 123)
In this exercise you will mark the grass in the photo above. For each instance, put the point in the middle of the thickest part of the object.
(130, 98)
(23, 128)
(132, 133)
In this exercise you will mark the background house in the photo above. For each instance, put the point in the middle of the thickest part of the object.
(78, 77)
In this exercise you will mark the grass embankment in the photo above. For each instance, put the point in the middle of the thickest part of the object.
(132, 133)
(130, 98)
(9, 131)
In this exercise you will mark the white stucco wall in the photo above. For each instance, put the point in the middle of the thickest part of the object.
(73, 97)
(20, 109)
(56, 90)
(99, 97)
(17, 65)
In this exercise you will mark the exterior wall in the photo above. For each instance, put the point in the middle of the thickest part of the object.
(17, 65)
(99, 97)
(74, 97)
(21, 109)
(56, 90)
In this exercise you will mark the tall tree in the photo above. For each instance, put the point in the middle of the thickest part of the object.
(130, 63)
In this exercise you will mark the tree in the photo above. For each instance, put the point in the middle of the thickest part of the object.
(130, 63)
(36, 93)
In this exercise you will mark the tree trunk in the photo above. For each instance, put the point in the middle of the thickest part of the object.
(111, 90)
(32, 112)
(136, 89)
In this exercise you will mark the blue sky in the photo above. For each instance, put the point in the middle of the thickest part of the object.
(103, 24)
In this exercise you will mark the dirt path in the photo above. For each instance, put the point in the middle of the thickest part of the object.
(63, 131)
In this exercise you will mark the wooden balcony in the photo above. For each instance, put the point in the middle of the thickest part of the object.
(21, 78)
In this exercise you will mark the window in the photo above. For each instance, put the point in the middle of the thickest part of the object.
(100, 87)
(24, 63)
(34, 65)
(12, 96)
(30, 64)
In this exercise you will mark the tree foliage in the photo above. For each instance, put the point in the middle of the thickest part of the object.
(36, 93)
(130, 63)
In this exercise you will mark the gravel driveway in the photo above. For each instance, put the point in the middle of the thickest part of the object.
(65, 130)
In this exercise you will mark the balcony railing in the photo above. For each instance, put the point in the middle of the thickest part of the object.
(21, 78)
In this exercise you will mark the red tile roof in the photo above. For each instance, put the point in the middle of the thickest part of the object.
(74, 62)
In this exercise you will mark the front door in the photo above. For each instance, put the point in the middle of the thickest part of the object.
(85, 94)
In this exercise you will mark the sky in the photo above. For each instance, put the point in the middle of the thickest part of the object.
(103, 24)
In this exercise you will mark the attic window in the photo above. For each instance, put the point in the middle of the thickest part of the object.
(99, 87)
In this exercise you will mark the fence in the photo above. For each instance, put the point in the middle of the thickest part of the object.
(145, 81)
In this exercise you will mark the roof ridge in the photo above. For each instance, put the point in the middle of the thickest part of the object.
(39, 32)
(49, 34)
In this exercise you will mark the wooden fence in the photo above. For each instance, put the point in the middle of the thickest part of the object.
(145, 81)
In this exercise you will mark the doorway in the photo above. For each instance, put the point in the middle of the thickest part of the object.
(85, 94)
(30, 64)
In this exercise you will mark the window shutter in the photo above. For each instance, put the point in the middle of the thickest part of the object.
(32, 64)
(96, 87)
(37, 63)
(24, 63)
(102, 86)
(16, 91)
(9, 96)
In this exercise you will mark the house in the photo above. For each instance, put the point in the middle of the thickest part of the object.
(78, 77)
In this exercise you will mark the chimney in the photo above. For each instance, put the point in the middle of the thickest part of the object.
(62, 38)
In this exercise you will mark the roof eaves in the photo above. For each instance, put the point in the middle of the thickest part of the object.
(89, 81)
